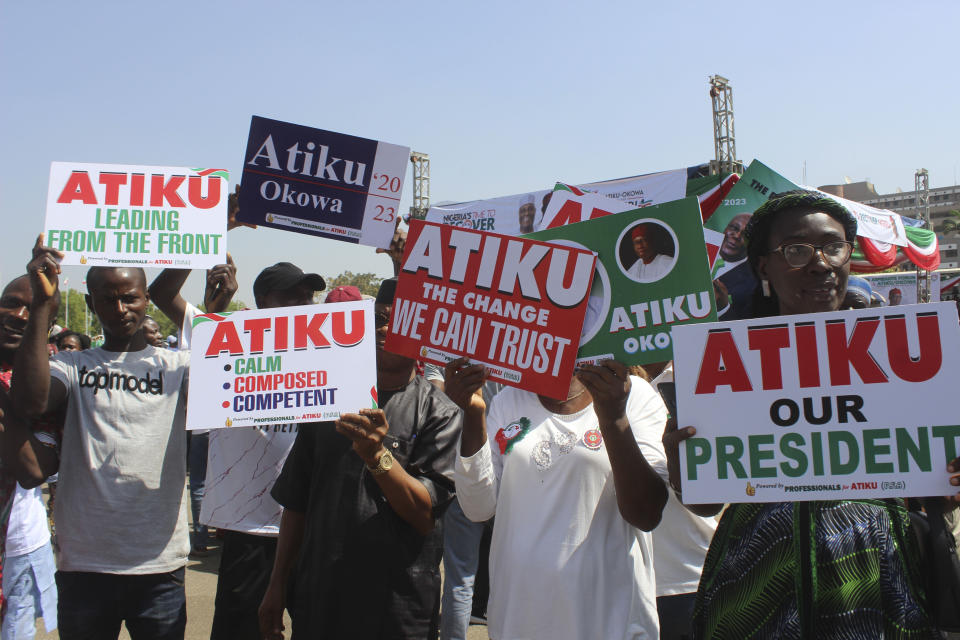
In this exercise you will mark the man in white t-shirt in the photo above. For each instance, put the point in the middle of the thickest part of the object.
(121, 509)
(242, 462)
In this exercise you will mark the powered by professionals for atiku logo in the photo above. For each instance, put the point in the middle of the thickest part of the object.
(98, 380)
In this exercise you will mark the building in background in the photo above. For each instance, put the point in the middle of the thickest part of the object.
(943, 200)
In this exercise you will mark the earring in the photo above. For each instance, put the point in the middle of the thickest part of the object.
(765, 288)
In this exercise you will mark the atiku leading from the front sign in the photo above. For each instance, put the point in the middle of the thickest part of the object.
(819, 569)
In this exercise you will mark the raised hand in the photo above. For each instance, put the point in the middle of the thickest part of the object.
(609, 384)
(463, 383)
(366, 430)
(44, 270)
(233, 208)
(395, 251)
(221, 285)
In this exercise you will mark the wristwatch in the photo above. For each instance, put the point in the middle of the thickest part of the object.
(384, 464)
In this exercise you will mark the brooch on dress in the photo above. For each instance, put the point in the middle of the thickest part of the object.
(511, 434)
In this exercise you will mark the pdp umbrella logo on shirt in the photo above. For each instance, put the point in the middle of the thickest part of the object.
(511, 434)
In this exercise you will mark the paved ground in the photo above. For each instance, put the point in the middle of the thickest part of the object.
(201, 588)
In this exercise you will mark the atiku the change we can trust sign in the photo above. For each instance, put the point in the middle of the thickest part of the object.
(109, 214)
(289, 364)
(827, 406)
(514, 305)
(322, 183)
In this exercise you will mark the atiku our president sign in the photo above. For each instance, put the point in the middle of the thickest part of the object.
(652, 273)
(109, 214)
(322, 183)
(514, 305)
(289, 364)
(827, 406)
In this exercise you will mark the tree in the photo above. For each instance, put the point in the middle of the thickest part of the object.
(368, 283)
(952, 224)
(81, 320)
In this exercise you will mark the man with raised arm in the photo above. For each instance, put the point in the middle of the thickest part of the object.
(243, 462)
(122, 458)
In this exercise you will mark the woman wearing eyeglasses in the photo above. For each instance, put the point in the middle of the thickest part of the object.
(822, 569)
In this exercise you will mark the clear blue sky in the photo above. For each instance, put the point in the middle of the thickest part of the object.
(504, 96)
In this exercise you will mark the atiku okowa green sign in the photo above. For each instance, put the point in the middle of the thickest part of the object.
(652, 274)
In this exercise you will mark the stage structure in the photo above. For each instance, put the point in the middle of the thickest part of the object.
(922, 189)
(421, 184)
(724, 139)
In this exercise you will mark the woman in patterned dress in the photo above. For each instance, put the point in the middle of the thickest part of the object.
(820, 569)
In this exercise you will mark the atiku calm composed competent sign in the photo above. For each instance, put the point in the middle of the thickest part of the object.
(827, 406)
(322, 183)
(512, 304)
(109, 214)
(288, 364)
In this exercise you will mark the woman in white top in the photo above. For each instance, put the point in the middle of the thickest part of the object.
(575, 484)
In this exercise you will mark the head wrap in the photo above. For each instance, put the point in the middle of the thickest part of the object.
(758, 229)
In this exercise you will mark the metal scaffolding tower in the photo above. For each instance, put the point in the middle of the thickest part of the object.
(724, 141)
(922, 187)
(421, 184)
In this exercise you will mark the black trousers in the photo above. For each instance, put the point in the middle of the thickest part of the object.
(245, 566)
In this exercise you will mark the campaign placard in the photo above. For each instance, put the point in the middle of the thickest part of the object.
(901, 288)
(652, 274)
(289, 364)
(322, 183)
(826, 406)
(514, 305)
(116, 215)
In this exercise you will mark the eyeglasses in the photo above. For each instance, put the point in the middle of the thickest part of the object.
(381, 319)
(799, 254)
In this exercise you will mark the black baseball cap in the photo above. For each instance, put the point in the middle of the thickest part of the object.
(284, 275)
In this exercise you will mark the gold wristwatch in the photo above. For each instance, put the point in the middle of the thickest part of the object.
(384, 464)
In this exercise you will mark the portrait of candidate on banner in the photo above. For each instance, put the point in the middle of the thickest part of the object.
(647, 250)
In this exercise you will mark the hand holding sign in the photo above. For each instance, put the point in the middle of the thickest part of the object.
(609, 384)
(395, 251)
(366, 430)
(233, 208)
(954, 468)
(462, 383)
(43, 270)
(221, 286)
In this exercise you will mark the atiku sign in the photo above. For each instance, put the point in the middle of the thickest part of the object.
(288, 364)
(514, 305)
(322, 183)
(109, 214)
(652, 273)
(839, 405)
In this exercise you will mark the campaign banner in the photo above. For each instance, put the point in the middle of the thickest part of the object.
(523, 213)
(760, 183)
(901, 288)
(322, 183)
(511, 304)
(288, 364)
(825, 406)
(135, 215)
(652, 275)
